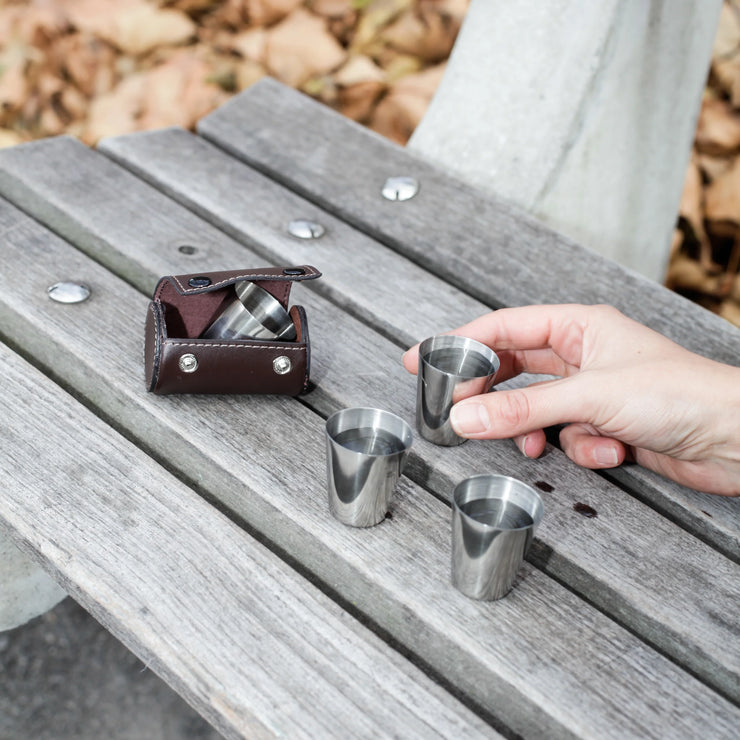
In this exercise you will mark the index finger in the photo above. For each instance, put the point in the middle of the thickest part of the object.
(546, 338)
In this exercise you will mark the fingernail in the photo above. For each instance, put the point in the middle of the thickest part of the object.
(522, 445)
(469, 418)
(606, 456)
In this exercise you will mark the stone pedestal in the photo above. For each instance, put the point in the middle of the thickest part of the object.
(25, 589)
(581, 112)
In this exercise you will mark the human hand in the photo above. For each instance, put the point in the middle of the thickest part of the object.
(624, 391)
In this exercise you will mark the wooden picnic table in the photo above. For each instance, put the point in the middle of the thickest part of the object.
(196, 528)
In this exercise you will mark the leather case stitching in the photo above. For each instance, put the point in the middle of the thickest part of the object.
(252, 277)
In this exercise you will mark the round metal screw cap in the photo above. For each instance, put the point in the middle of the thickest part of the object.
(188, 363)
(400, 187)
(68, 292)
(282, 365)
(302, 228)
(199, 282)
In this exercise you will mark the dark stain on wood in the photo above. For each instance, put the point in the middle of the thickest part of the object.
(585, 510)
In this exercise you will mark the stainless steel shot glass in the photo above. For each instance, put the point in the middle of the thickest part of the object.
(450, 368)
(253, 314)
(494, 518)
(366, 451)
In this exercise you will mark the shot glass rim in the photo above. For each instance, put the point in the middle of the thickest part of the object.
(407, 436)
(452, 340)
(536, 517)
(277, 318)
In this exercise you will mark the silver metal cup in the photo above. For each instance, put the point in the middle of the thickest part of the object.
(366, 451)
(450, 368)
(494, 518)
(253, 314)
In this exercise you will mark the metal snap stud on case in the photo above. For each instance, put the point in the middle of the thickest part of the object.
(188, 363)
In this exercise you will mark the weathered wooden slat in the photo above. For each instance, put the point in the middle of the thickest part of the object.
(494, 251)
(652, 592)
(252, 645)
(216, 186)
(355, 264)
(540, 621)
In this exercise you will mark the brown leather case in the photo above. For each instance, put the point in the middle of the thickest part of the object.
(176, 360)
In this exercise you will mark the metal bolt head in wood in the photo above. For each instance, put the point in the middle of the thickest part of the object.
(68, 292)
(400, 187)
(302, 228)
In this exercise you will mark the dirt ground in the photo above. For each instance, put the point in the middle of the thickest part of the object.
(64, 677)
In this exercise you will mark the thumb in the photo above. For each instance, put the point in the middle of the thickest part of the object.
(505, 414)
(410, 359)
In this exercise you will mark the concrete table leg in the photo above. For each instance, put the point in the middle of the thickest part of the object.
(581, 112)
(26, 590)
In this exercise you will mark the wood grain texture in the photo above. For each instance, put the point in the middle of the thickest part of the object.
(216, 186)
(489, 248)
(649, 591)
(492, 250)
(360, 274)
(580, 664)
(191, 171)
(254, 647)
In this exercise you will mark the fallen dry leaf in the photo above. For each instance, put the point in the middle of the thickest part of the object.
(723, 196)
(192, 7)
(300, 47)
(177, 93)
(730, 310)
(400, 111)
(73, 102)
(247, 73)
(51, 122)
(358, 68)
(267, 12)
(133, 26)
(14, 88)
(139, 29)
(452, 8)
(718, 129)
(116, 112)
(34, 23)
(689, 275)
(727, 74)
(399, 66)
(692, 209)
(727, 40)
(9, 138)
(230, 13)
(88, 62)
(375, 17)
(97, 17)
(422, 33)
(735, 291)
(712, 167)
(358, 101)
(251, 44)
(333, 8)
